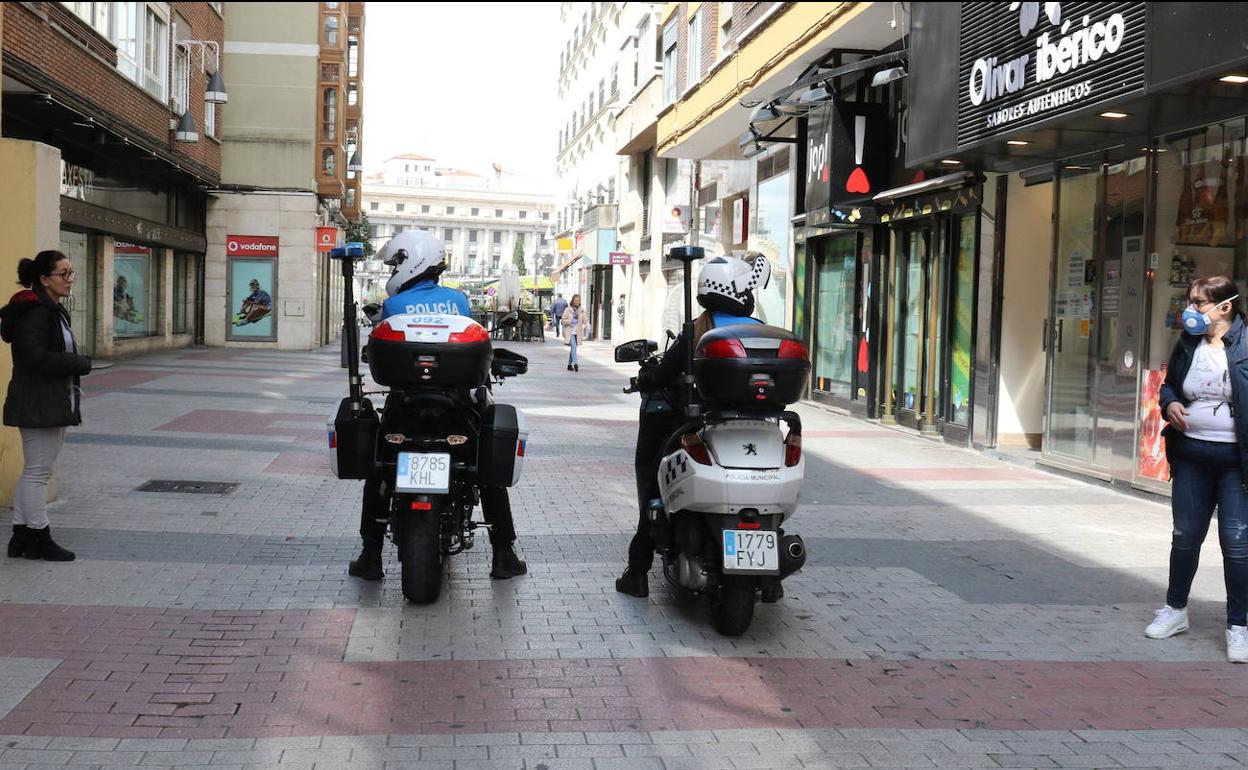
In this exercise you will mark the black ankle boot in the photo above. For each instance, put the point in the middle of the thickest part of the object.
(507, 564)
(17, 546)
(368, 566)
(40, 545)
(634, 582)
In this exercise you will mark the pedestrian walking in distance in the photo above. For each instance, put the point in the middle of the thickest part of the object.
(575, 322)
(1205, 401)
(556, 313)
(44, 397)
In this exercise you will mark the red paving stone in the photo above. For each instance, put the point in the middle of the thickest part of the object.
(172, 673)
(248, 423)
(852, 434)
(1005, 473)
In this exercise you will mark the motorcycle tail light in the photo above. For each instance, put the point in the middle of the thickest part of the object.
(474, 333)
(384, 331)
(695, 448)
(724, 349)
(792, 349)
(792, 450)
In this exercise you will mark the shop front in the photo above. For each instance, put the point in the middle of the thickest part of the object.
(137, 251)
(1132, 118)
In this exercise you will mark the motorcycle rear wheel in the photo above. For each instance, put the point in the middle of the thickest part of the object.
(420, 555)
(732, 606)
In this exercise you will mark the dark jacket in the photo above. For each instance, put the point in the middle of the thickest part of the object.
(1236, 342)
(44, 390)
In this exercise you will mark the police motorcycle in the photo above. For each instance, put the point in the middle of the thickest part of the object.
(731, 475)
(438, 438)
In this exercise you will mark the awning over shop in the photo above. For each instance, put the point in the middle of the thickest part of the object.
(554, 274)
(927, 185)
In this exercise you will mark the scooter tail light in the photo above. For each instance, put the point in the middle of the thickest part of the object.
(792, 349)
(792, 450)
(729, 348)
(384, 331)
(695, 448)
(474, 333)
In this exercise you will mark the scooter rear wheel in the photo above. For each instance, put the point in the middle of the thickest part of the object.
(732, 609)
(420, 555)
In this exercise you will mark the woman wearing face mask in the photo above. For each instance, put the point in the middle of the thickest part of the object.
(1205, 401)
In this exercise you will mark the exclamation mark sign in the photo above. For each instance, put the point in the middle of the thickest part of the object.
(858, 182)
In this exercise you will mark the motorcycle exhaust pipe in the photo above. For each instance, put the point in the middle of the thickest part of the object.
(792, 555)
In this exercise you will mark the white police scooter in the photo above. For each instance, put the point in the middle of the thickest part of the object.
(731, 476)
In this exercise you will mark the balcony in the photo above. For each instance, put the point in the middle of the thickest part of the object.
(637, 126)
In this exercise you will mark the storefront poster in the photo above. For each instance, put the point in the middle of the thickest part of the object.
(1152, 449)
(131, 269)
(253, 297)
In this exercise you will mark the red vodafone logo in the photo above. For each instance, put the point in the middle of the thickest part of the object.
(251, 246)
(326, 237)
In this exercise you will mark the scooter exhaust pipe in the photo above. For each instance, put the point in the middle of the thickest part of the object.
(792, 555)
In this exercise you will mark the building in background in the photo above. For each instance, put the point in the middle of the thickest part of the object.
(120, 124)
(290, 173)
(483, 220)
(602, 56)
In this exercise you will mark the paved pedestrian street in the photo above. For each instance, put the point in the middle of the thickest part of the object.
(955, 611)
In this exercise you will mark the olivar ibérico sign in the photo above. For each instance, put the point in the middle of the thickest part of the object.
(1023, 63)
(251, 246)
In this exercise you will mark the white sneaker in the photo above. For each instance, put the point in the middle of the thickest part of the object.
(1168, 622)
(1237, 644)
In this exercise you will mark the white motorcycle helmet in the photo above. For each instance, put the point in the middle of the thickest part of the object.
(726, 284)
(415, 255)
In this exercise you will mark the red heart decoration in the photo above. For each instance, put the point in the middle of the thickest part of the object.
(823, 173)
(858, 182)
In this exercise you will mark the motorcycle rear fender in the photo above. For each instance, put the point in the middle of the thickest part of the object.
(687, 485)
(746, 444)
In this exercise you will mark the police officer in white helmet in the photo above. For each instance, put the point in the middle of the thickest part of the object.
(418, 260)
(726, 287)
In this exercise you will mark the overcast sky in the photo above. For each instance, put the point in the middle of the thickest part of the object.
(467, 83)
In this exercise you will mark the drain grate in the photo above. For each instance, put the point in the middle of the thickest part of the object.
(190, 487)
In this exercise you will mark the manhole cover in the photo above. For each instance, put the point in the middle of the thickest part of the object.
(190, 487)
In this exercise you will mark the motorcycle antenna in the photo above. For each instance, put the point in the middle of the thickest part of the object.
(348, 255)
(687, 255)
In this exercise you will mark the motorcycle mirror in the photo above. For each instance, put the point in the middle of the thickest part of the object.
(633, 351)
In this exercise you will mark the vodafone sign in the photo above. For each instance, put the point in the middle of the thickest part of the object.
(251, 246)
(326, 238)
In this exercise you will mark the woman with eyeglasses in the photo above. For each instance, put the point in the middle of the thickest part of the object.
(1205, 401)
(43, 395)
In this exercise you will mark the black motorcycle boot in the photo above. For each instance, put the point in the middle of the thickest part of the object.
(17, 546)
(40, 545)
(634, 582)
(368, 566)
(507, 564)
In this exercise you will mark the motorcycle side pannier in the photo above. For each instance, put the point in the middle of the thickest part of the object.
(750, 366)
(501, 447)
(441, 351)
(353, 440)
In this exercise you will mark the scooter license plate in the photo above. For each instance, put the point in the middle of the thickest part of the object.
(426, 472)
(751, 551)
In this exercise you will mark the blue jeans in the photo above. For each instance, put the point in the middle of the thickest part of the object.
(1205, 474)
(572, 339)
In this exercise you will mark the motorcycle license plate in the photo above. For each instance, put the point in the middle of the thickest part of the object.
(751, 551)
(428, 472)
